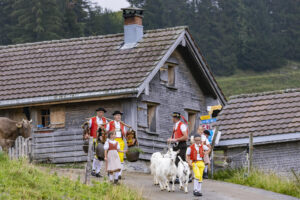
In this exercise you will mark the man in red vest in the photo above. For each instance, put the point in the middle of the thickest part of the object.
(94, 124)
(120, 130)
(194, 157)
(179, 136)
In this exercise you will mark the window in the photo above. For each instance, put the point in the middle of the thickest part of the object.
(151, 117)
(45, 117)
(51, 117)
(192, 121)
(167, 75)
(171, 75)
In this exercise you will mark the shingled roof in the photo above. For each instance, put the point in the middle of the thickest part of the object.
(85, 67)
(263, 114)
(80, 65)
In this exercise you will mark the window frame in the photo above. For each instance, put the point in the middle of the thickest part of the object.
(153, 108)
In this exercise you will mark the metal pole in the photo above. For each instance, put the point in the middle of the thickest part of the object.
(88, 164)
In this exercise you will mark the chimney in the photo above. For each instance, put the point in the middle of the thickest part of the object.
(133, 26)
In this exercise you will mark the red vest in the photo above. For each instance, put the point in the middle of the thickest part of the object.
(178, 133)
(112, 127)
(193, 155)
(94, 126)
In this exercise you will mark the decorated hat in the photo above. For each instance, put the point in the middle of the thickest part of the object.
(101, 109)
(206, 132)
(176, 114)
(117, 112)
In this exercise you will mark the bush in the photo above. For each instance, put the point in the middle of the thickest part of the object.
(259, 179)
(135, 149)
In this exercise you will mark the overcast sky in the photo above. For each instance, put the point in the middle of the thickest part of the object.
(114, 5)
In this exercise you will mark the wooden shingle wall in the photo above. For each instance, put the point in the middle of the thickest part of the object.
(183, 96)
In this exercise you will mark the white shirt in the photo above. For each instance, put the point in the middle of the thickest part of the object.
(183, 127)
(106, 145)
(99, 121)
(118, 129)
(204, 139)
(188, 151)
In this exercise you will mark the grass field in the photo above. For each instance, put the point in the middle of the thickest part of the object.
(250, 82)
(20, 180)
(259, 179)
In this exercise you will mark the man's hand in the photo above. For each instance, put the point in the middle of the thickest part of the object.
(190, 163)
(170, 140)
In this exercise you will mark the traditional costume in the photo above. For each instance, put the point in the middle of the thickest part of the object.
(113, 160)
(94, 124)
(119, 128)
(196, 153)
(178, 129)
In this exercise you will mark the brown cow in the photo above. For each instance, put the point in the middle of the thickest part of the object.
(10, 130)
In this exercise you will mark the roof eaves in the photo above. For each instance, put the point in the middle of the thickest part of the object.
(206, 69)
(258, 140)
(59, 98)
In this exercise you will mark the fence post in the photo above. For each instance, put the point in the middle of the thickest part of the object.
(250, 153)
(88, 164)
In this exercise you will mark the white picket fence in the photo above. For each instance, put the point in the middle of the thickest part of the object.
(22, 148)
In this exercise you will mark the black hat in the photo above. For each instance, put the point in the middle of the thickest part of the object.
(101, 109)
(206, 132)
(117, 112)
(176, 114)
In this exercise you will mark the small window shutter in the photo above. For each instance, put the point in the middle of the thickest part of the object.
(57, 117)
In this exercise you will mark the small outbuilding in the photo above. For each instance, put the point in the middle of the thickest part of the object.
(274, 120)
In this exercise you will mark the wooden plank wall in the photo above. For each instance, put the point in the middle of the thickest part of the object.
(183, 97)
(61, 146)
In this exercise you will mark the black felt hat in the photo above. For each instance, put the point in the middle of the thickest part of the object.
(117, 112)
(176, 114)
(101, 109)
(206, 132)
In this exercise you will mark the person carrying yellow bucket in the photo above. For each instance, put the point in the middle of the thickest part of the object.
(118, 127)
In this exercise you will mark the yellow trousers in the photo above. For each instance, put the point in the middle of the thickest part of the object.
(198, 168)
(122, 145)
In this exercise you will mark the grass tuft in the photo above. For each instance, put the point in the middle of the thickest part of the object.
(21, 180)
(259, 179)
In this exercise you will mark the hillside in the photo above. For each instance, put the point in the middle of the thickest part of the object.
(20, 180)
(250, 82)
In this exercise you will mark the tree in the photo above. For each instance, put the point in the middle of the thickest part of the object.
(35, 21)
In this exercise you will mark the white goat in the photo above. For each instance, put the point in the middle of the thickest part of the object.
(167, 170)
(154, 164)
(183, 173)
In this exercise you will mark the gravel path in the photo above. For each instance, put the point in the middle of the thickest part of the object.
(212, 190)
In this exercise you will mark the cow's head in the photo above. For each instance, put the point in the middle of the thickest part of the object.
(24, 128)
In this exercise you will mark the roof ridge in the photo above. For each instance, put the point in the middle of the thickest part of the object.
(289, 90)
(84, 38)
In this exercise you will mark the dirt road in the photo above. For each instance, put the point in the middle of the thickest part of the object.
(212, 190)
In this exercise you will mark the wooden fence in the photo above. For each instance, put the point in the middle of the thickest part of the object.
(22, 148)
(61, 146)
